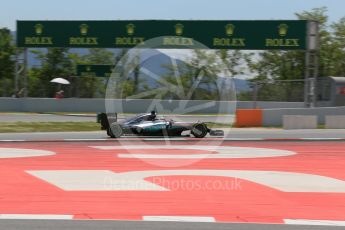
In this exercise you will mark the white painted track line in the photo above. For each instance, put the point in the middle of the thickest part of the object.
(18, 152)
(35, 217)
(94, 139)
(221, 152)
(166, 139)
(180, 218)
(105, 180)
(94, 180)
(241, 139)
(315, 222)
(11, 140)
(324, 138)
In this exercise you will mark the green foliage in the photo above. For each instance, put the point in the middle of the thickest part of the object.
(55, 63)
(89, 85)
(193, 79)
(235, 61)
(274, 69)
(98, 56)
(58, 62)
(7, 50)
(338, 51)
(129, 82)
(288, 65)
(200, 75)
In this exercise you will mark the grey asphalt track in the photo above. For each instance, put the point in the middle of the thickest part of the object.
(230, 133)
(140, 225)
(247, 133)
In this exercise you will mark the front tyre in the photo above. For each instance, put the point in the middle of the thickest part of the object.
(199, 130)
(115, 130)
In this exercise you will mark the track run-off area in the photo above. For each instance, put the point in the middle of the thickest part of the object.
(283, 182)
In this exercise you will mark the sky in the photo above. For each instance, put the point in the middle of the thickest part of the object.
(12, 10)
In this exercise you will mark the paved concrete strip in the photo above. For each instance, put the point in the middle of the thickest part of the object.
(315, 222)
(180, 218)
(104, 180)
(222, 152)
(35, 217)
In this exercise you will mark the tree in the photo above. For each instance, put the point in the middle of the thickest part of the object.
(99, 56)
(55, 63)
(194, 78)
(7, 50)
(339, 52)
(59, 62)
(90, 85)
(235, 61)
(206, 75)
(128, 82)
(275, 67)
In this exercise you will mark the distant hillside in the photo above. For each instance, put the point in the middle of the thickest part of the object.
(242, 85)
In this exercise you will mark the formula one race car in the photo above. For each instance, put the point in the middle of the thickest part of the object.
(149, 125)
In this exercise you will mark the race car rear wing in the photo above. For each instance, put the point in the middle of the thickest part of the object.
(106, 119)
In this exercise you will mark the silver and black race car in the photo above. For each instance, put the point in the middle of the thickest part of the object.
(148, 124)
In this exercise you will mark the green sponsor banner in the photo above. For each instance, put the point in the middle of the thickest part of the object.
(250, 35)
(96, 70)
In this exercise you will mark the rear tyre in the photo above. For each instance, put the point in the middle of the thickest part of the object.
(115, 130)
(199, 130)
(109, 133)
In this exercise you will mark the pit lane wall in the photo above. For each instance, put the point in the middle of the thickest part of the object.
(131, 106)
(274, 117)
(268, 114)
